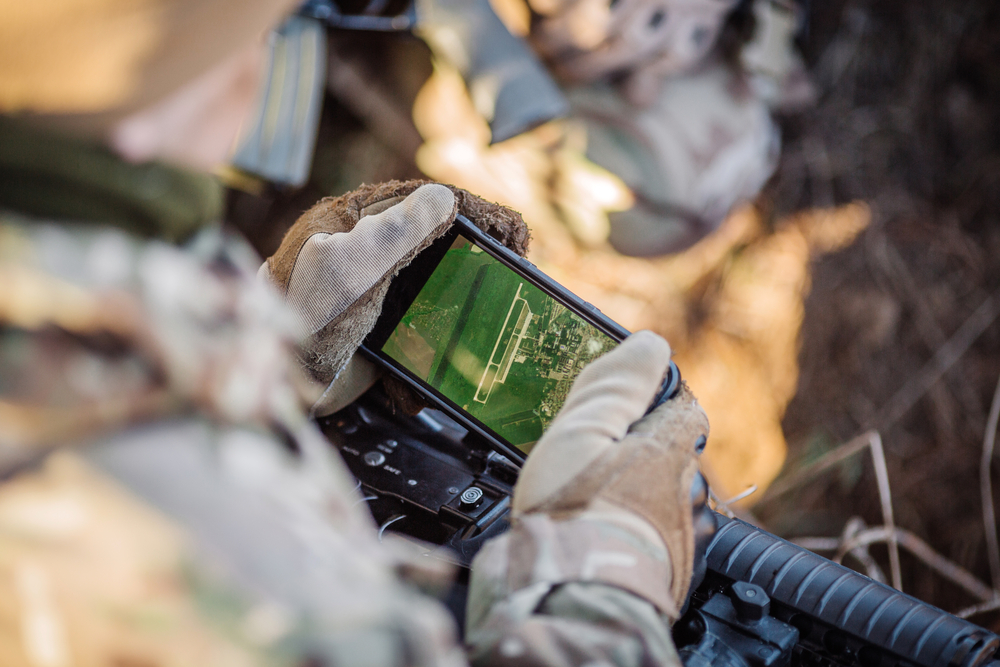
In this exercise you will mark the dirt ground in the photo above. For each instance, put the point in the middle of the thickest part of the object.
(906, 121)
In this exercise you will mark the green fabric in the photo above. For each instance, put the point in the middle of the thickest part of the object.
(50, 176)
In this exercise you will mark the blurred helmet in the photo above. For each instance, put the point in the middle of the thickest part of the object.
(587, 40)
(110, 57)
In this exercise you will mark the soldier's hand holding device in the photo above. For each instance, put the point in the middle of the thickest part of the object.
(600, 461)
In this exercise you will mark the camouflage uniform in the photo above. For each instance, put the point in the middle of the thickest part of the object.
(536, 600)
(165, 377)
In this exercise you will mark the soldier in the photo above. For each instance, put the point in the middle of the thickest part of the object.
(168, 501)
(649, 98)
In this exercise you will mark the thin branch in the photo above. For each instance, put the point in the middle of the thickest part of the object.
(979, 608)
(868, 562)
(831, 458)
(723, 506)
(885, 499)
(861, 553)
(916, 546)
(873, 441)
(943, 359)
(718, 505)
(818, 543)
(901, 280)
(986, 489)
(749, 491)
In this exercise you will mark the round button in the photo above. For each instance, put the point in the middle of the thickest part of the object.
(374, 458)
(471, 496)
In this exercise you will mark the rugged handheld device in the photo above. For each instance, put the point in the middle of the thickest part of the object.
(469, 323)
(763, 602)
(490, 339)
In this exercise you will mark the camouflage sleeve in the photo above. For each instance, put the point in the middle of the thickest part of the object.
(265, 557)
(561, 593)
(284, 540)
(193, 516)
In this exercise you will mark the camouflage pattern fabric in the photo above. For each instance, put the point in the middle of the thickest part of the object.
(171, 371)
(555, 593)
(192, 515)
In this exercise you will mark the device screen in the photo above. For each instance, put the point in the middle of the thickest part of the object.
(494, 344)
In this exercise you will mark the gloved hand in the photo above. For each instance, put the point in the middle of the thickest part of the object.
(601, 460)
(335, 264)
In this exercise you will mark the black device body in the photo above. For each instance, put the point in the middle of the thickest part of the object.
(407, 287)
(446, 479)
(429, 478)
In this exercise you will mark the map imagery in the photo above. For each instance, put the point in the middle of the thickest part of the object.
(494, 344)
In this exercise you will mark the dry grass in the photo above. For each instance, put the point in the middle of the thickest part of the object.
(899, 333)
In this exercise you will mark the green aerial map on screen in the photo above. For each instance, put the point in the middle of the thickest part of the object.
(494, 344)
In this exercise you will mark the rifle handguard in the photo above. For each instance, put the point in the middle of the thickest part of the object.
(842, 611)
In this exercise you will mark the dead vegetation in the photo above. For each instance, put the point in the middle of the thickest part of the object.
(899, 334)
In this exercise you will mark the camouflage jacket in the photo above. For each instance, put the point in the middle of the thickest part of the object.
(167, 502)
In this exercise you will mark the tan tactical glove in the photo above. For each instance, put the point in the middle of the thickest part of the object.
(602, 462)
(335, 264)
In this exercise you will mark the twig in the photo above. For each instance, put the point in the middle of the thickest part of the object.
(889, 262)
(750, 490)
(885, 499)
(986, 489)
(854, 526)
(719, 506)
(723, 505)
(943, 359)
(898, 405)
(831, 458)
(833, 544)
(869, 563)
(872, 440)
(978, 608)
(916, 546)
(818, 543)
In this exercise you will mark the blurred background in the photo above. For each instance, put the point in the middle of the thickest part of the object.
(803, 197)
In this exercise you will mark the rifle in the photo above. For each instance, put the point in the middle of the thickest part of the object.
(763, 601)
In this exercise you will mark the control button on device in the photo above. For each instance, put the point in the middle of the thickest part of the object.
(471, 497)
(374, 459)
(750, 601)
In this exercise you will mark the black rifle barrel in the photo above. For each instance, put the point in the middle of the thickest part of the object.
(841, 598)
